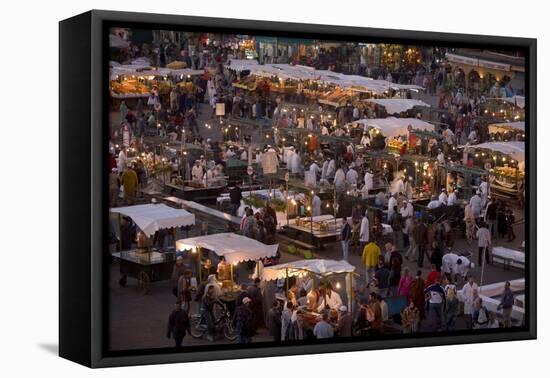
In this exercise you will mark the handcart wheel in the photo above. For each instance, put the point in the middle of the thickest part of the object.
(144, 282)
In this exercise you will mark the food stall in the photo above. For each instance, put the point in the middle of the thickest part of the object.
(234, 248)
(507, 131)
(397, 106)
(507, 167)
(146, 264)
(317, 270)
(327, 87)
(129, 82)
(504, 109)
(391, 127)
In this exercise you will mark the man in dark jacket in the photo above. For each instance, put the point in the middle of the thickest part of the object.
(345, 237)
(396, 261)
(178, 325)
(420, 236)
(506, 304)
(491, 216)
(235, 195)
(255, 293)
(243, 318)
(382, 276)
(274, 321)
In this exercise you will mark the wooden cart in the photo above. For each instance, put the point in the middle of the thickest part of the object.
(145, 267)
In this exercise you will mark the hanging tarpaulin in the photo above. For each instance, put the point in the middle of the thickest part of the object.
(263, 39)
(295, 41)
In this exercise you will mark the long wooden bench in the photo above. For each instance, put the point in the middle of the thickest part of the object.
(297, 243)
(197, 207)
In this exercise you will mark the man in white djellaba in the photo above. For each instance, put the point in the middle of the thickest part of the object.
(296, 163)
(451, 200)
(331, 169)
(467, 295)
(443, 196)
(484, 191)
(314, 171)
(316, 205)
(364, 231)
(476, 205)
(339, 180)
(351, 176)
(392, 202)
(369, 180)
(324, 170)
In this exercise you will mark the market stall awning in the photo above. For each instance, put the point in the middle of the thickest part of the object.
(318, 266)
(392, 127)
(300, 72)
(518, 101)
(398, 105)
(153, 217)
(235, 248)
(499, 127)
(516, 150)
(117, 42)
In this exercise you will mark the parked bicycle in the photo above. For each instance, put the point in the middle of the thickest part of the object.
(223, 321)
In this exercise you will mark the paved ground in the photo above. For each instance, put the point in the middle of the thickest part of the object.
(139, 321)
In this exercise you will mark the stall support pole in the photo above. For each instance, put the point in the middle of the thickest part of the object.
(199, 273)
(119, 232)
(350, 299)
(482, 268)
(232, 281)
(313, 279)
(286, 281)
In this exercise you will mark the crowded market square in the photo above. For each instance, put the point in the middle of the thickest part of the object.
(285, 190)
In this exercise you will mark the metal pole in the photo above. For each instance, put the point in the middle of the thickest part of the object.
(199, 264)
(350, 299)
(119, 233)
(482, 268)
(287, 201)
(286, 270)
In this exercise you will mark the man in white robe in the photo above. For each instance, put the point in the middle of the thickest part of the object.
(351, 176)
(392, 202)
(369, 180)
(443, 196)
(316, 205)
(197, 172)
(484, 189)
(364, 231)
(476, 205)
(339, 180)
(451, 200)
(331, 169)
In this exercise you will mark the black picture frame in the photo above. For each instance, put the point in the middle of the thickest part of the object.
(83, 190)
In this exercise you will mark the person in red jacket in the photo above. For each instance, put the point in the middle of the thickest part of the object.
(433, 276)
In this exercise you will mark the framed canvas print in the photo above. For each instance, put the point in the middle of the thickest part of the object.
(235, 188)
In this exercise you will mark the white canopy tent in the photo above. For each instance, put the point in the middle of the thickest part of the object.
(392, 126)
(518, 101)
(299, 72)
(116, 41)
(235, 248)
(516, 150)
(397, 105)
(319, 267)
(152, 217)
(499, 127)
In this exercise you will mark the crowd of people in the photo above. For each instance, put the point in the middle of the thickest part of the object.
(383, 224)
